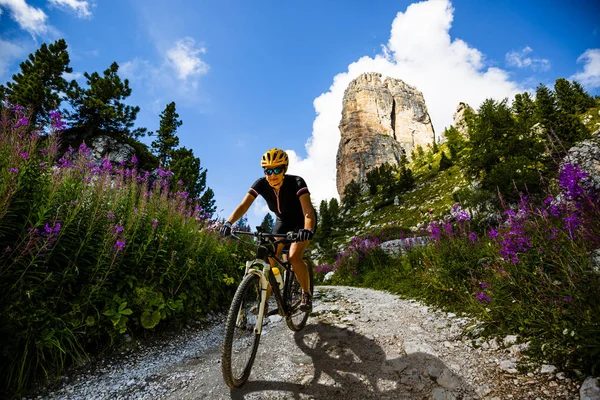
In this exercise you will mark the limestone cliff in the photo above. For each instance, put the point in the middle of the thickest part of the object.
(381, 121)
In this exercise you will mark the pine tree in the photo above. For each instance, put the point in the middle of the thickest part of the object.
(267, 223)
(99, 108)
(188, 173)
(351, 194)
(583, 100)
(242, 225)
(373, 180)
(166, 138)
(207, 201)
(445, 162)
(557, 114)
(40, 84)
(524, 109)
(566, 97)
(334, 211)
(455, 141)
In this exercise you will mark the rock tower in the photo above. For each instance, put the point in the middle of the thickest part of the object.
(381, 121)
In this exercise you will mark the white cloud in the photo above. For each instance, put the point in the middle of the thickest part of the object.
(31, 19)
(81, 8)
(69, 76)
(8, 53)
(183, 57)
(159, 79)
(521, 59)
(421, 52)
(590, 76)
(260, 209)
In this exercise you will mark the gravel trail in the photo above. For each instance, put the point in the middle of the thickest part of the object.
(359, 344)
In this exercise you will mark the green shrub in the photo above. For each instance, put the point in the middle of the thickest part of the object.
(90, 252)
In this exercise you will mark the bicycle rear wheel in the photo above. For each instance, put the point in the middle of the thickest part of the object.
(297, 319)
(240, 342)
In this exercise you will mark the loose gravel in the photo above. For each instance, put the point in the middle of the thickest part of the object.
(358, 344)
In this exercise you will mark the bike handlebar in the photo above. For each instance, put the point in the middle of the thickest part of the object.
(286, 237)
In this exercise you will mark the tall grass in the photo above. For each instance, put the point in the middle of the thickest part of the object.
(92, 251)
(536, 273)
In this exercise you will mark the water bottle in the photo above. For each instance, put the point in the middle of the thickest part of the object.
(278, 277)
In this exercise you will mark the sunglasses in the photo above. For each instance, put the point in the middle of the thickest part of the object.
(271, 171)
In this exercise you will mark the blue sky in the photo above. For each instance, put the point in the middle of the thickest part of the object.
(250, 75)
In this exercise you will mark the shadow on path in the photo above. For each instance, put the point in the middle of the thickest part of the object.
(350, 366)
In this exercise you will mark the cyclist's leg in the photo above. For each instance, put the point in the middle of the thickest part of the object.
(300, 267)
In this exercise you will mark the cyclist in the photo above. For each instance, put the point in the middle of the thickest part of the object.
(288, 197)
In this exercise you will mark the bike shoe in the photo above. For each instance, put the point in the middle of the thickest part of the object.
(306, 304)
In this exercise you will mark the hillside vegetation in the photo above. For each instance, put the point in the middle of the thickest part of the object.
(490, 225)
(92, 255)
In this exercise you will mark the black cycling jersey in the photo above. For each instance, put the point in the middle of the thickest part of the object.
(286, 205)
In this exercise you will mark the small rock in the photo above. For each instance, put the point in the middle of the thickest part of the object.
(509, 366)
(547, 369)
(590, 389)
(509, 340)
(483, 390)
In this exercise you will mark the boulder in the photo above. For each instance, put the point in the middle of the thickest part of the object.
(107, 147)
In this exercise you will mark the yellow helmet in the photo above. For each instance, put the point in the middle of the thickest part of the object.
(274, 158)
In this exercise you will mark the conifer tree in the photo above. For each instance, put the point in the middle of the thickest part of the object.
(242, 224)
(99, 109)
(445, 162)
(351, 194)
(325, 223)
(455, 141)
(188, 173)
(166, 137)
(40, 84)
(334, 211)
(267, 223)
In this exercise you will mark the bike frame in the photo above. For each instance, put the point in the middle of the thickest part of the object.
(261, 267)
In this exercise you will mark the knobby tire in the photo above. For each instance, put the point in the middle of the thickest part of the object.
(241, 341)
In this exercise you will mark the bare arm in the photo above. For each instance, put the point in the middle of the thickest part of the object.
(241, 209)
(310, 219)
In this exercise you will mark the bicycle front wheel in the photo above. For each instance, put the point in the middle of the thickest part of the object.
(240, 342)
(297, 318)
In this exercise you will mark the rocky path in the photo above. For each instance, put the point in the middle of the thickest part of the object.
(359, 344)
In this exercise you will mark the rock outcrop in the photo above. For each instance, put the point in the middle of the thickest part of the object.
(382, 120)
(459, 120)
(586, 155)
(107, 147)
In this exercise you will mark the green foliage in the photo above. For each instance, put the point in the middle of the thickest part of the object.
(502, 155)
(445, 162)
(267, 223)
(89, 254)
(329, 217)
(557, 112)
(99, 108)
(455, 140)
(40, 84)
(191, 178)
(351, 194)
(166, 138)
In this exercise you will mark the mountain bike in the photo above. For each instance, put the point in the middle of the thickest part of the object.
(249, 306)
